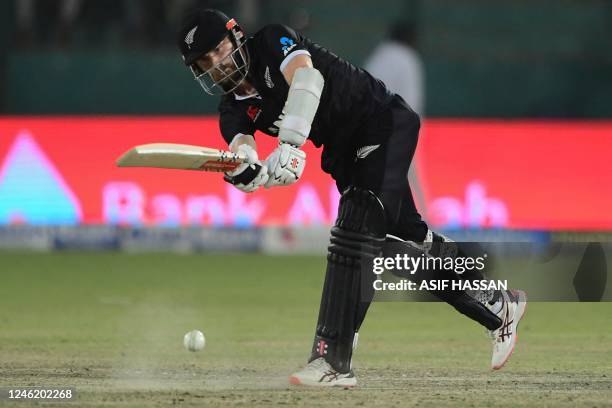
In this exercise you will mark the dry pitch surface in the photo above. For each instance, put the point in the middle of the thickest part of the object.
(111, 326)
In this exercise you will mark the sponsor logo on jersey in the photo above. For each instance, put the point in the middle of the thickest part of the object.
(189, 38)
(365, 151)
(268, 78)
(253, 112)
(288, 44)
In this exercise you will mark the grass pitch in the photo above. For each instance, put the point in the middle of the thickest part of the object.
(111, 325)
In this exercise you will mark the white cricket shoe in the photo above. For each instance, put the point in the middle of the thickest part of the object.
(319, 373)
(504, 338)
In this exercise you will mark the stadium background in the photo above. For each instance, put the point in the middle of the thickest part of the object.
(515, 146)
(544, 58)
(537, 72)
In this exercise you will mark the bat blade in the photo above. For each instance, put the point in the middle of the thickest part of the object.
(180, 156)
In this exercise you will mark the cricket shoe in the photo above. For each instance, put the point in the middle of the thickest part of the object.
(319, 373)
(504, 338)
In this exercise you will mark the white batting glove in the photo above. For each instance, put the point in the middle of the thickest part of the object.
(285, 165)
(251, 174)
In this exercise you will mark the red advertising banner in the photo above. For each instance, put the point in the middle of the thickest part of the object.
(518, 174)
(469, 174)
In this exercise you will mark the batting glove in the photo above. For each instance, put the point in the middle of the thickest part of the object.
(251, 174)
(285, 165)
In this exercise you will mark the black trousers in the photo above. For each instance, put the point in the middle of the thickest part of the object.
(378, 160)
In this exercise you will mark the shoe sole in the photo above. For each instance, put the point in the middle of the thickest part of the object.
(296, 381)
(522, 305)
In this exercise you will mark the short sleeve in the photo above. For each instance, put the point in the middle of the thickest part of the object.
(282, 44)
(234, 119)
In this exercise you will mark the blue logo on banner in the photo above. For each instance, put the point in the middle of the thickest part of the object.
(32, 191)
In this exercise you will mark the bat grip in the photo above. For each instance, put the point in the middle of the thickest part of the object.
(229, 179)
(246, 175)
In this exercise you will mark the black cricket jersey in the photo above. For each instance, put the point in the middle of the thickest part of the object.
(351, 99)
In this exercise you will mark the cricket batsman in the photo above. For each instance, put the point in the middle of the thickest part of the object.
(282, 84)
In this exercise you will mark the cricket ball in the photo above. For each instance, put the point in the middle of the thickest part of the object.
(194, 340)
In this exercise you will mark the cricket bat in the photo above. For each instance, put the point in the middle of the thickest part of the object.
(180, 156)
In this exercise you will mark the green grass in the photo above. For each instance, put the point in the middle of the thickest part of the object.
(111, 325)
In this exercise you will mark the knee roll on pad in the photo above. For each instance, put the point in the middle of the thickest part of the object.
(358, 235)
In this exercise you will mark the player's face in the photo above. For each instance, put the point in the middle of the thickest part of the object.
(219, 57)
(222, 69)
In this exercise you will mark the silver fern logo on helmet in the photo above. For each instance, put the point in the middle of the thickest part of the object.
(189, 38)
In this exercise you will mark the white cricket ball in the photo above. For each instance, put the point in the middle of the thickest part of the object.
(194, 340)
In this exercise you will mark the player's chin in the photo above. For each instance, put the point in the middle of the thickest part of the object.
(234, 83)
